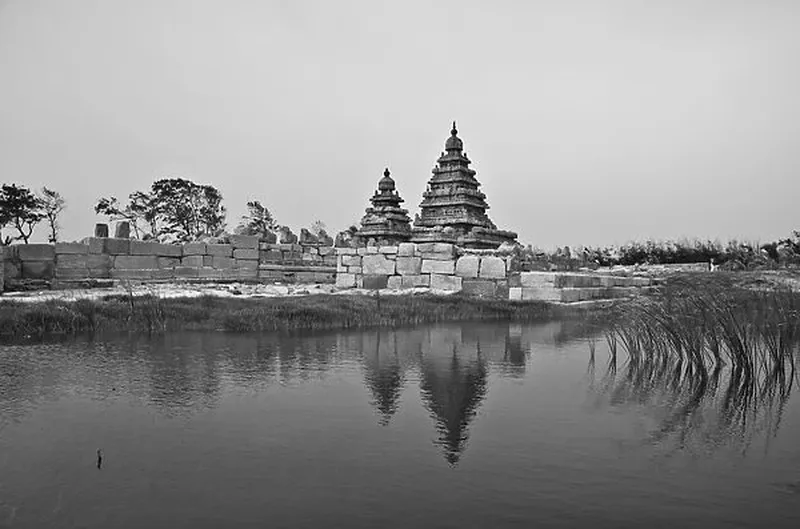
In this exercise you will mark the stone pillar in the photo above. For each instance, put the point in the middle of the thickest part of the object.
(123, 230)
(101, 230)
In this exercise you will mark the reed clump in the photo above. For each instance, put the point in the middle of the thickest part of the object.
(708, 342)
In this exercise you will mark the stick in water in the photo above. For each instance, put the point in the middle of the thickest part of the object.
(99, 458)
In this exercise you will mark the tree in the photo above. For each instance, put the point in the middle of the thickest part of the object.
(257, 221)
(21, 209)
(187, 210)
(52, 205)
(173, 209)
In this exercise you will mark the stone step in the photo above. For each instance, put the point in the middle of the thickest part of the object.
(572, 295)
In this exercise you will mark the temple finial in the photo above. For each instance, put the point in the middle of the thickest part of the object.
(454, 131)
(386, 172)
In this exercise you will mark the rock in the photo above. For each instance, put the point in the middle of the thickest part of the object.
(445, 282)
(492, 268)
(306, 237)
(285, 235)
(377, 264)
(123, 230)
(467, 266)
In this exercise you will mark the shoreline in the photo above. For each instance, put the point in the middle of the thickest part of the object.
(37, 319)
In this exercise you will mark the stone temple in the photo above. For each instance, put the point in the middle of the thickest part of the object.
(453, 208)
(385, 223)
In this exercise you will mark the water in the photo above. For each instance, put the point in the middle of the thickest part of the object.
(474, 425)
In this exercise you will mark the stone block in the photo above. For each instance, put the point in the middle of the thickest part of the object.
(207, 260)
(245, 253)
(329, 260)
(345, 280)
(351, 260)
(481, 288)
(362, 251)
(436, 247)
(109, 246)
(273, 256)
(164, 273)
(375, 281)
(195, 261)
(71, 248)
(375, 264)
(222, 261)
(467, 266)
(168, 250)
(142, 247)
(406, 249)
(186, 272)
(409, 266)
(439, 256)
(387, 249)
(340, 267)
(245, 264)
(122, 273)
(433, 266)
(395, 282)
(135, 262)
(12, 270)
(570, 295)
(72, 261)
(99, 273)
(492, 268)
(346, 251)
(541, 293)
(193, 248)
(445, 282)
(206, 272)
(326, 250)
(537, 279)
(313, 250)
(168, 262)
(515, 294)
(514, 280)
(248, 242)
(36, 252)
(72, 273)
(99, 261)
(355, 270)
(123, 230)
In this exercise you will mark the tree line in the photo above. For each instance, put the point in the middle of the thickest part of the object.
(171, 210)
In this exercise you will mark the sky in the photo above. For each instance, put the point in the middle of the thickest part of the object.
(588, 122)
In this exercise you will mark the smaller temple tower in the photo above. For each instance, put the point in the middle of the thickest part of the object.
(385, 223)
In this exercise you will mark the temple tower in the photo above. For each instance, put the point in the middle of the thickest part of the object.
(453, 208)
(386, 223)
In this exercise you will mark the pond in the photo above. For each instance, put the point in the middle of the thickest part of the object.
(458, 425)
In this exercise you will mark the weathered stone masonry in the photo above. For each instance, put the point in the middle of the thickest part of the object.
(480, 273)
(243, 258)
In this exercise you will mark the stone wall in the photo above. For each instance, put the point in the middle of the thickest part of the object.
(438, 266)
(481, 273)
(243, 258)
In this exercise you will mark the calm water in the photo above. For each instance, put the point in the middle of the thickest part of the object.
(478, 425)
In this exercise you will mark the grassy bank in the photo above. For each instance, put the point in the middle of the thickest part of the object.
(152, 314)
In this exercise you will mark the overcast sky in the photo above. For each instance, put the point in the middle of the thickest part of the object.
(588, 122)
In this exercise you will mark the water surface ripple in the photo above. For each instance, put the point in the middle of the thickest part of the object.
(462, 425)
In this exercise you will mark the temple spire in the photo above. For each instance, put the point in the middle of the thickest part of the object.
(454, 130)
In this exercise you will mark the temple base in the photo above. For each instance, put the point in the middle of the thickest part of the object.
(477, 238)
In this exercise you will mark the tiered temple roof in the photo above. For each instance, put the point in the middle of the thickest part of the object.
(453, 208)
(385, 222)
